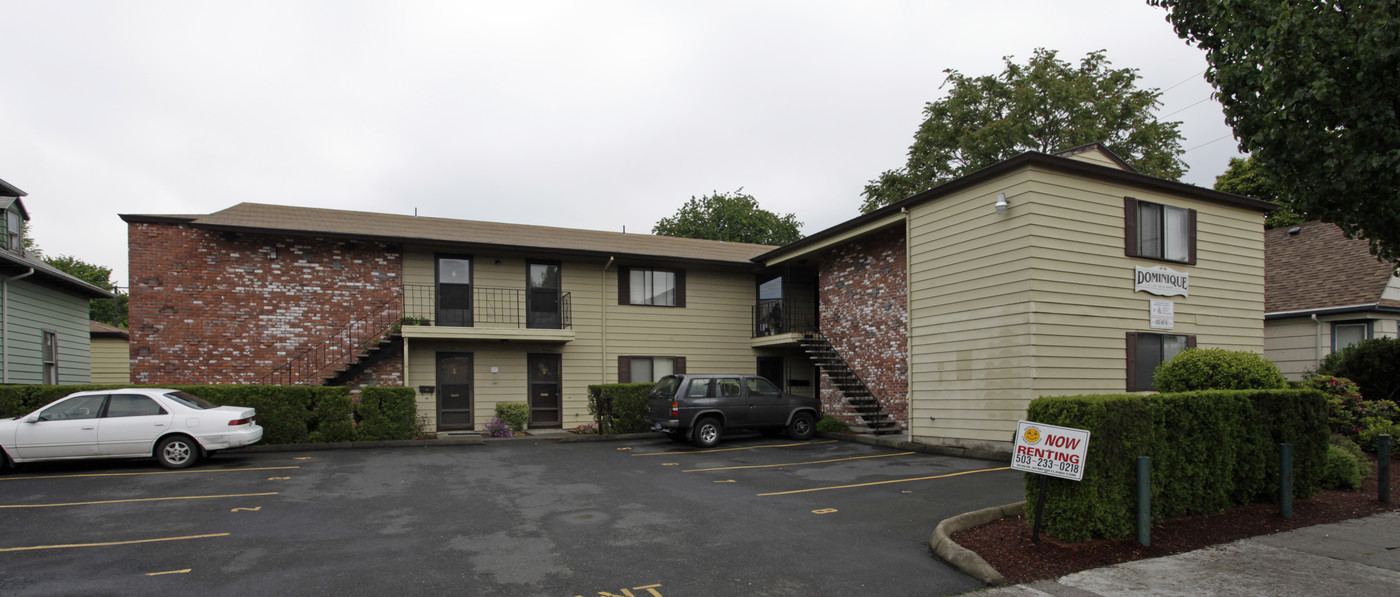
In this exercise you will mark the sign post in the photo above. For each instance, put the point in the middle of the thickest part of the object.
(1049, 451)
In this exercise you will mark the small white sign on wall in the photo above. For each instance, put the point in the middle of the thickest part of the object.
(1163, 314)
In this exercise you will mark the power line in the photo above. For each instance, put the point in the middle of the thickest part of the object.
(1188, 107)
(1184, 81)
(1209, 142)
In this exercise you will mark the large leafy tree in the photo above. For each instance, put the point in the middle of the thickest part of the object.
(1246, 177)
(1044, 105)
(1312, 89)
(733, 217)
(108, 311)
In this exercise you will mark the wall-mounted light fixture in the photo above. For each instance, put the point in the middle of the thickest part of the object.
(1002, 204)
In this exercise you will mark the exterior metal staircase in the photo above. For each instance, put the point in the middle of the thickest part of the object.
(870, 416)
(345, 353)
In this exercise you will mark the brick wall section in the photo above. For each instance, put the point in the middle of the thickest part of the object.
(211, 307)
(862, 289)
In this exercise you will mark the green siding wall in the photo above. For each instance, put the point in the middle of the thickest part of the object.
(33, 309)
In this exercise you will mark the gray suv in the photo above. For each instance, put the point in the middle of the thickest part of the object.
(702, 407)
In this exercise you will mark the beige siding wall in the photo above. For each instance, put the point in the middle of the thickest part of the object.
(712, 331)
(1038, 301)
(111, 361)
(1297, 345)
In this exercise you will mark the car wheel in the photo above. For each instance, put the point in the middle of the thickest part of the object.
(676, 436)
(802, 427)
(708, 432)
(5, 463)
(177, 451)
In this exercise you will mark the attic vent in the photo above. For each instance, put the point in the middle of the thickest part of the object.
(1295, 230)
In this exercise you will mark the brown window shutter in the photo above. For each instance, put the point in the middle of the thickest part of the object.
(1191, 237)
(680, 288)
(1130, 227)
(1191, 341)
(624, 369)
(1132, 361)
(624, 285)
(679, 366)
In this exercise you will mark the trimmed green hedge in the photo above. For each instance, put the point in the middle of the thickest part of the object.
(1210, 450)
(287, 414)
(619, 407)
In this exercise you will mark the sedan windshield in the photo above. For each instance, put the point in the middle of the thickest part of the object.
(191, 400)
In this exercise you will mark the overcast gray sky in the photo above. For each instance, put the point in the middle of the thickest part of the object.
(584, 114)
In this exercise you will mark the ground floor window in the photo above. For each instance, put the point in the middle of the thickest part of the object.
(648, 369)
(50, 358)
(1147, 351)
(1346, 333)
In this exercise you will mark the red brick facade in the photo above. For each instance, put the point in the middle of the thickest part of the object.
(221, 308)
(864, 314)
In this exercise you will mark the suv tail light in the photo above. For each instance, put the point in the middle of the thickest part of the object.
(675, 409)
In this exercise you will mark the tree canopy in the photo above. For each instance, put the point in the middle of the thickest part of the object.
(733, 217)
(102, 310)
(1044, 105)
(1312, 90)
(1246, 177)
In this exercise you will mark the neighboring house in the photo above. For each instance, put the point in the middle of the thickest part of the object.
(111, 354)
(939, 317)
(43, 311)
(1323, 292)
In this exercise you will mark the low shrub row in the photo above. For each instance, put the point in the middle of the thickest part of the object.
(1210, 450)
(619, 407)
(287, 414)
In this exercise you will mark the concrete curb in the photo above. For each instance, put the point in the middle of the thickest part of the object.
(941, 542)
(594, 437)
(466, 440)
(897, 444)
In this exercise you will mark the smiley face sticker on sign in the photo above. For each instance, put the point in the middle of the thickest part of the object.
(1031, 435)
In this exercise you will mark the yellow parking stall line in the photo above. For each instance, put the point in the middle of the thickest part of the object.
(738, 449)
(985, 470)
(159, 499)
(111, 543)
(185, 571)
(731, 468)
(196, 472)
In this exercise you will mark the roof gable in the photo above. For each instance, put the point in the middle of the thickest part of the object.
(1096, 153)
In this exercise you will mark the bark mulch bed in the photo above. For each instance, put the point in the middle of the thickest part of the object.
(1006, 543)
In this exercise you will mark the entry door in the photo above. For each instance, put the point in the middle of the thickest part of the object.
(545, 407)
(454, 390)
(771, 368)
(542, 297)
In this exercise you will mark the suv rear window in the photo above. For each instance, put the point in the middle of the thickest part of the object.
(667, 386)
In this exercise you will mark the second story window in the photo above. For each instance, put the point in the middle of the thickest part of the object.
(1157, 231)
(14, 231)
(654, 287)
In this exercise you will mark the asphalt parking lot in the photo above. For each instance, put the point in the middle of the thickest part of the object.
(753, 516)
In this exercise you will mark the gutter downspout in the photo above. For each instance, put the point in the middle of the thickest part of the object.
(603, 339)
(5, 324)
(1317, 348)
(908, 335)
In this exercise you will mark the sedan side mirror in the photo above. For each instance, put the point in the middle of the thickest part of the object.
(31, 419)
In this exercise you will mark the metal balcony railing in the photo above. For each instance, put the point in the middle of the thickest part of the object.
(776, 316)
(487, 307)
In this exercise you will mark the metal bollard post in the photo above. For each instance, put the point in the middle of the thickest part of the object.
(1285, 485)
(1383, 467)
(1144, 501)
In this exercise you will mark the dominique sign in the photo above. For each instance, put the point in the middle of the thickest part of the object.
(1050, 450)
(1161, 281)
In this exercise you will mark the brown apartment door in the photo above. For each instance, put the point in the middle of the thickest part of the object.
(545, 407)
(454, 390)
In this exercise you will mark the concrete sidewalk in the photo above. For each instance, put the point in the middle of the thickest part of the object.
(1354, 557)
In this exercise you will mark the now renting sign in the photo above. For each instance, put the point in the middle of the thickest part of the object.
(1050, 450)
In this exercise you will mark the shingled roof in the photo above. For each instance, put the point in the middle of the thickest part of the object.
(1318, 268)
(305, 221)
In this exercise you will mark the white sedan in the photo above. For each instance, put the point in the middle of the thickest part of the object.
(176, 427)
